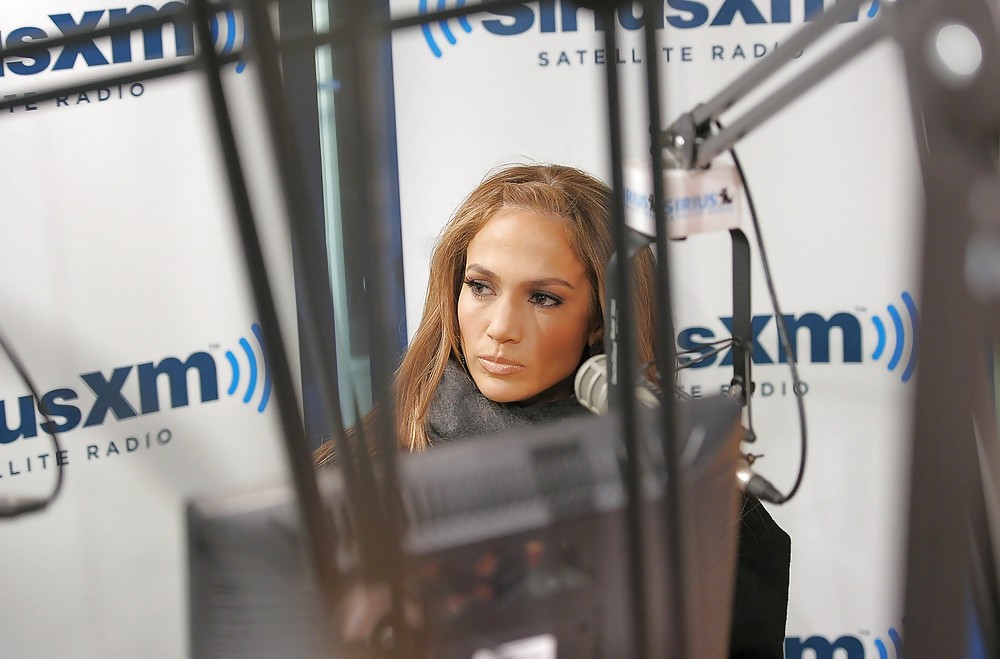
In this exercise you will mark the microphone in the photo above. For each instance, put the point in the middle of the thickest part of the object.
(755, 484)
(591, 386)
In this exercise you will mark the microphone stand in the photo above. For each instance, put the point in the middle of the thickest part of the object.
(689, 141)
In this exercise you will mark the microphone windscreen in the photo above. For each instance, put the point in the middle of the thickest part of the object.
(591, 384)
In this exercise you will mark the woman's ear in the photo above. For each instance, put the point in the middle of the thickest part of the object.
(596, 337)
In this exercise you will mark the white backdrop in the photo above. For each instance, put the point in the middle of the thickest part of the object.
(120, 250)
(835, 181)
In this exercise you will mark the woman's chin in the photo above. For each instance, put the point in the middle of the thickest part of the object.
(500, 391)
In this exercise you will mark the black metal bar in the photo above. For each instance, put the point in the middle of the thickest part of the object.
(302, 216)
(99, 83)
(299, 78)
(833, 61)
(623, 397)
(676, 496)
(755, 75)
(454, 12)
(161, 17)
(318, 541)
(742, 332)
(958, 148)
(370, 61)
(341, 32)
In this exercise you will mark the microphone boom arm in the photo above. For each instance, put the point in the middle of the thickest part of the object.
(689, 141)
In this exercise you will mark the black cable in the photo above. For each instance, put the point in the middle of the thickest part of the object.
(702, 346)
(703, 354)
(11, 507)
(779, 319)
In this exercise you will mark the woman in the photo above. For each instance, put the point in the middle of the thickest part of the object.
(514, 305)
(517, 208)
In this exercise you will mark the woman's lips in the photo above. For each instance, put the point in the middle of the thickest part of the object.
(499, 365)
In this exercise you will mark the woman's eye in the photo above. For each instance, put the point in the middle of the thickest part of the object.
(478, 288)
(545, 299)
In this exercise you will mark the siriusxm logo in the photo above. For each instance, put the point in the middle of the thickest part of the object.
(850, 647)
(563, 16)
(818, 329)
(681, 207)
(68, 411)
(88, 52)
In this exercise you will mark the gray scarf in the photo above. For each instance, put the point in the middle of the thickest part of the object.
(459, 410)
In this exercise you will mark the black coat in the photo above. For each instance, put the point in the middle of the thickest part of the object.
(760, 603)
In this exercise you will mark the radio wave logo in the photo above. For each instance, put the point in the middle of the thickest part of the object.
(905, 332)
(225, 40)
(256, 361)
(897, 644)
(443, 26)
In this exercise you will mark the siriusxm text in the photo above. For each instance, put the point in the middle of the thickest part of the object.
(67, 410)
(87, 51)
(815, 326)
(560, 16)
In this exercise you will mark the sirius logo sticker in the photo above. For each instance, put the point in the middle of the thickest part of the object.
(103, 398)
(819, 329)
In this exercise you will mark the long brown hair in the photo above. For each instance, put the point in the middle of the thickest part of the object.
(553, 190)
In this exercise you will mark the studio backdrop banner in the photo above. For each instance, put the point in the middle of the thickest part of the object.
(124, 293)
(835, 180)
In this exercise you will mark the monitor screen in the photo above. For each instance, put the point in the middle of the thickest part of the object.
(514, 546)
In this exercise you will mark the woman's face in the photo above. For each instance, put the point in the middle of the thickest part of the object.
(524, 311)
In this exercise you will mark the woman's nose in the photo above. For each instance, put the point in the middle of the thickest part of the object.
(505, 323)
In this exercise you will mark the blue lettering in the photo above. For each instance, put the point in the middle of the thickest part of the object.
(523, 18)
(92, 55)
(745, 8)
(70, 413)
(813, 9)
(176, 372)
(567, 16)
(547, 15)
(688, 340)
(698, 14)
(781, 11)
(629, 20)
(109, 396)
(28, 424)
(818, 327)
(152, 37)
(759, 355)
(822, 648)
(819, 336)
(41, 60)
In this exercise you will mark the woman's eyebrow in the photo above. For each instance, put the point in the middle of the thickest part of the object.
(533, 283)
(478, 269)
(548, 281)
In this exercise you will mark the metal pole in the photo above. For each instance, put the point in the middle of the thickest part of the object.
(789, 50)
(318, 537)
(957, 111)
(676, 494)
(371, 60)
(622, 324)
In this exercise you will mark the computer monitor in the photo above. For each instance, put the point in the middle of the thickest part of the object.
(514, 546)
